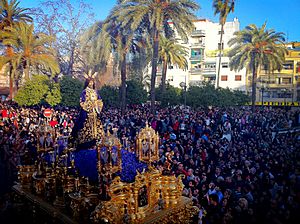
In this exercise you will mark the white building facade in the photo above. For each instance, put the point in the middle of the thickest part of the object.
(203, 45)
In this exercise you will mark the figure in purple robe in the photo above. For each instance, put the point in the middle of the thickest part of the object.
(88, 128)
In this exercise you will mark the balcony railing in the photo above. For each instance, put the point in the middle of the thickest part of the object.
(196, 57)
(287, 71)
(198, 33)
(280, 86)
(200, 45)
(195, 71)
(209, 70)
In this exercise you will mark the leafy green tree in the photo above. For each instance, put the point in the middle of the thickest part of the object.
(33, 91)
(10, 15)
(171, 53)
(225, 97)
(53, 97)
(207, 95)
(240, 98)
(171, 96)
(223, 8)
(110, 96)
(155, 15)
(202, 96)
(254, 47)
(135, 92)
(70, 89)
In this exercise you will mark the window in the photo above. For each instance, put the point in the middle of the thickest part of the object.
(224, 65)
(238, 78)
(210, 65)
(288, 65)
(197, 66)
(219, 46)
(286, 80)
(224, 77)
(171, 67)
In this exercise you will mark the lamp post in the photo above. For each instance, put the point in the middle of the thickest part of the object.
(183, 86)
(263, 90)
(262, 95)
(284, 91)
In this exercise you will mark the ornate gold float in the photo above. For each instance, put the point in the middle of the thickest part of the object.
(154, 197)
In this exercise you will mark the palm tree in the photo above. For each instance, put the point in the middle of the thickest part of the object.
(32, 49)
(123, 41)
(223, 8)
(10, 15)
(171, 53)
(254, 47)
(95, 48)
(157, 16)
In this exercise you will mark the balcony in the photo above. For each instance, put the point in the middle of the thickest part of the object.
(198, 45)
(280, 86)
(195, 71)
(209, 70)
(196, 58)
(287, 71)
(198, 33)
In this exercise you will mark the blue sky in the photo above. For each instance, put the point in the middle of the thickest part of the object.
(283, 16)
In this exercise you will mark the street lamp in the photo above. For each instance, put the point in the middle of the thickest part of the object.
(263, 90)
(183, 86)
(284, 91)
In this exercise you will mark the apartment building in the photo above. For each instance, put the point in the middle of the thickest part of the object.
(280, 87)
(203, 45)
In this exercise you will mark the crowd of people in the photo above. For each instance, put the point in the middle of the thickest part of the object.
(238, 166)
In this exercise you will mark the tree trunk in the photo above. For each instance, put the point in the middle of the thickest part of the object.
(71, 63)
(220, 56)
(253, 97)
(26, 71)
(9, 53)
(154, 68)
(164, 76)
(11, 82)
(123, 84)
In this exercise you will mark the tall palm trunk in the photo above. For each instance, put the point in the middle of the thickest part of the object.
(123, 84)
(164, 76)
(220, 56)
(9, 53)
(154, 67)
(11, 81)
(254, 76)
(26, 70)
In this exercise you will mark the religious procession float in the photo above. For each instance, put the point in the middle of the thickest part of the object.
(92, 178)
